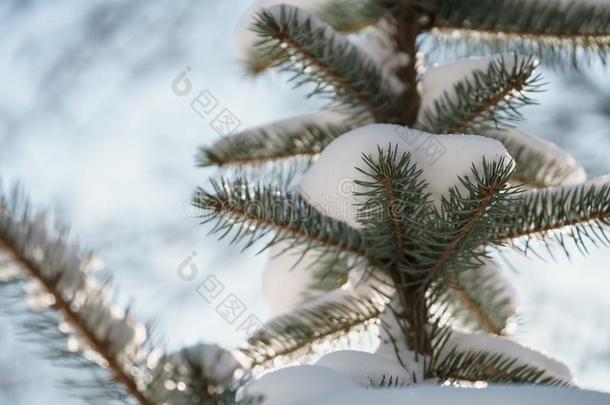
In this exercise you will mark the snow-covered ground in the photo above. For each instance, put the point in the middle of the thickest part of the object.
(91, 127)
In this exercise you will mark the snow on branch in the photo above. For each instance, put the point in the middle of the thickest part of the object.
(540, 163)
(482, 357)
(473, 95)
(292, 277)
(481, 299)
(366, 369)
(334, 186)
(254, 59)
(318, 55)
(57, 275)
(255, 211)
(553, 31)
(300, 137)
(342, 15)
(314, 326)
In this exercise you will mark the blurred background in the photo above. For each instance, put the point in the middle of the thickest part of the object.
(89, 125)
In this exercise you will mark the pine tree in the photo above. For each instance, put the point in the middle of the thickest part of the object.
(382, 213)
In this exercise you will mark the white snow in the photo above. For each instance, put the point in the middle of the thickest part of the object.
(431, 395)
(381, 45)
(371, 282)
(571, 171)
(482, 342)
(366, 369)
(293, 124)
(493, 275)
(338, 294)
(393, 346)
(329, 183)
(288, 277)
(437, 80)
(299, 384)
(594, 183)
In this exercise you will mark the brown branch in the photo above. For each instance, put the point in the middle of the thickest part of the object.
(407, 30)
(61, 305)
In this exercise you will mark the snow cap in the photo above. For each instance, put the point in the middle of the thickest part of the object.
(329, 184)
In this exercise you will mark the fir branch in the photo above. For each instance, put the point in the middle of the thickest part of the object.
(395, 202)
(274, 143)
(255, 211)
(56, 269)
(485, 99)
(259, 60)
(312, 325)
(578, 213)
(462, 356)
(551, 31)
(467, 219)
(492, 368)
(339, 70)
(342, 15)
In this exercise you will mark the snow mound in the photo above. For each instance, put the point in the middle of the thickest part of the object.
(570, 171)
(329, 184)
(289, 277)
(380, 44)
(366, 369)
(298, 384)
(492, 287)
(493, 395)
(482, 342)
(393, 346)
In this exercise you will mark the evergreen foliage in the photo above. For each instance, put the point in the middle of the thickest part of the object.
(425, 262)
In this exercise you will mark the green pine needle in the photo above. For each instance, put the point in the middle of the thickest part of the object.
(253, 212)
(492, 368)
(319, 56)
(554, 33)
(272, 144)
(557, 215)
(484, 100)
(296, 335)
